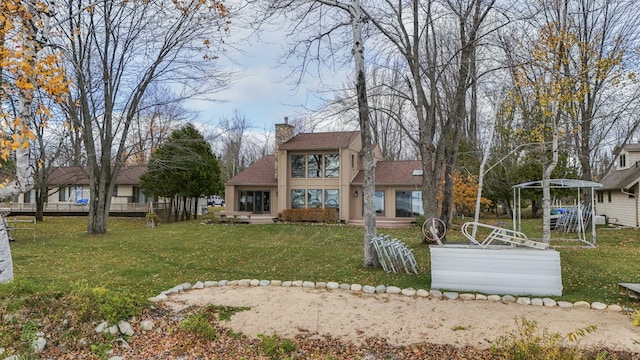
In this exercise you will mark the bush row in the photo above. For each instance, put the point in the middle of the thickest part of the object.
(312, 215)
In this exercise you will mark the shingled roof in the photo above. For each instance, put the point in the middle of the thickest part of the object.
(74, 175)
(621, 179)
(261, 172)
(394, 173)
(320, 141)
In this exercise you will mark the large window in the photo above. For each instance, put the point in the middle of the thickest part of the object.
(315, 165)
(314, 198)
(379, 202)
(297, 199)
(332, 165)
(297, 166)
(332, 199)
(409, 204)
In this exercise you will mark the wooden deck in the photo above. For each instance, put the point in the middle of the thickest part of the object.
(72, 209)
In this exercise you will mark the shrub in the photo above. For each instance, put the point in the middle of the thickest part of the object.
(310, 215)
(275, 347)
(199, 323)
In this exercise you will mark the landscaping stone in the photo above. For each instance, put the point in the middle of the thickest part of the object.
(210, 283)
(393, 290)
(198, 285)
(233, 282)
(112, 329)
(286, 284)
(524, 301)
(356, 287)
(158, 298)
(39, 344)
(508, 299)
(254, 282)
(436, 294)
(408, 292)
(565, 304)
(598, 306)
(146, 325)
(614, 307)
(368, 289)
(332, 285)
(244, 282)
(102, 327)
(481, 297)
(264, 283)
(297, 283)
(467, 296)
(381, 289)
(116, 358)
(222, 283)
(422, 293)
(125, 328)
(321, 285)
(581, 305)
(308, 284)
(185, 286)
(450, 295)
(494, 297)
(537, 302)
(276, 283)
(549, 302)
(345, 286)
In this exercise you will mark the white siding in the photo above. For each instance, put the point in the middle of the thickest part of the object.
(622, 210)
(514, 271)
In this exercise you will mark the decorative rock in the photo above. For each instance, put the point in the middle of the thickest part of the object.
(233, 282)
(345, 287)
(494, 298)
(286, 284)
(393, 290)
(368, 289)
(83, 343)
(210, 283)
(185, 286)
(308, 285)
(356, 287)
(549, 302)
(408, 292)
(276, 283)
(39, 344)
(436, 294)
(198, 285)
(116, 358)
(222, 283)
(112, 330)
(254, 282)
(614, 308)
(565, 304)
(422, 293)
(158, 298)
(244, 282)
(321, 285)
(381, 289)
(598, 306)
(2, 350)
(467, 296)
(102, 327)
(297, 283)
(264, 283)
(332, 285)
(508, 299)
(450, 295)
(481, 297)
(146, 325)
(581, 305)
(125, 328)
(524, 301)
(537, 302)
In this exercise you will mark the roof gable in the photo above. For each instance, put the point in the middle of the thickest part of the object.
(261, 172)
(621, 179)
(320, 141)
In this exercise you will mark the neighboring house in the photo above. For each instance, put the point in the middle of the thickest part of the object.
(324, 170)
(618, 199)
(71, 185)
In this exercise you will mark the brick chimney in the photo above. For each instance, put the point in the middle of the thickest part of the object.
(284, 132)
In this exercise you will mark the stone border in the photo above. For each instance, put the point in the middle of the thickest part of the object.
(382, 289)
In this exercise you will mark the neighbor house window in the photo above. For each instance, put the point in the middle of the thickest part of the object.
(27, 197)
(600, 195)
(297, 199)
(115, 191)
(315, 165)
(623, 160)
(62, 194)
(314, 198)
(332, 199)
(409, 204)
(609, 196)
(297, 166)
(332, 165)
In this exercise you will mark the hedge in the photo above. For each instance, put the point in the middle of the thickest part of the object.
(311, 215)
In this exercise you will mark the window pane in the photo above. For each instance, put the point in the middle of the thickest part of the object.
(242, 199)
(297, 199)
(379, 202)
(403, 203)
(416, 203)
(62, 194)
(314, 199)
(332, 199)
(315, 165)
(332, 166)
(297, 166)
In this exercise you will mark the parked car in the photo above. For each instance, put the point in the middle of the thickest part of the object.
(215, 200)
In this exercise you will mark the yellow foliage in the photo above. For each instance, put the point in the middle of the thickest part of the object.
(465, 192)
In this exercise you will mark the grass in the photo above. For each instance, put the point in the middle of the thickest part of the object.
(147, 261)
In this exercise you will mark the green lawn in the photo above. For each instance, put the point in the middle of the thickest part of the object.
(147, 261)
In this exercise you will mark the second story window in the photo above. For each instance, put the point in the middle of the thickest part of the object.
(623, 160)
(297, 166)
(315, 165)
(332, 165)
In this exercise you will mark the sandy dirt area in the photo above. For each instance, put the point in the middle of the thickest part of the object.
(402, 320)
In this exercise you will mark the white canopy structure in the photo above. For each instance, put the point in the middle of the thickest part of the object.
(575, 219)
